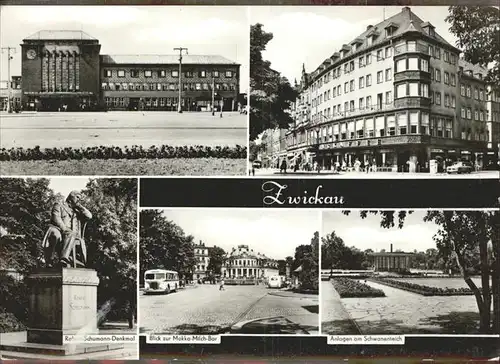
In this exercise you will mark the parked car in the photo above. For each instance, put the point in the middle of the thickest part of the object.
(274, 282)
(460, 167)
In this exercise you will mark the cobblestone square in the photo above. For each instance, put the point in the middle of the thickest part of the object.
(204, 309)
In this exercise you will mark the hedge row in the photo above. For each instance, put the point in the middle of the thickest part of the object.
(134, 152)
(349, 288)
(424, 290)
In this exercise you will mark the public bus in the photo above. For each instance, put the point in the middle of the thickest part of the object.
(161, 281)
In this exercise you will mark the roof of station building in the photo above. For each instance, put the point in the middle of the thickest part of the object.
(60, 35)
(165, 59)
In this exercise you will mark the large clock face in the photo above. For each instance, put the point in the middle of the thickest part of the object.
(31, 54)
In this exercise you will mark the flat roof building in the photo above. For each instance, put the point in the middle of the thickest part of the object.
(392, 261)
(64, 69)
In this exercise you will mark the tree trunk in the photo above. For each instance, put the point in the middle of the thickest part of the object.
(485, 283)
(495, 271)
(484, 312)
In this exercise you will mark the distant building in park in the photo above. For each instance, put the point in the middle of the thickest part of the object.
(391, 261)
(64, 69)
(245, 262)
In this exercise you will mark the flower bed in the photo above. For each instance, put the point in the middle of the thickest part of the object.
(134, 152)
(424, 290)
(349, 288)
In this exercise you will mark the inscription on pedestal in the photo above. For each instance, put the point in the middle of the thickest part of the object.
(62, 302)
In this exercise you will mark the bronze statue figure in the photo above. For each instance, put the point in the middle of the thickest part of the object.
(65, 235)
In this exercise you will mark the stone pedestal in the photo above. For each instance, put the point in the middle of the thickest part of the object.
(62, 302)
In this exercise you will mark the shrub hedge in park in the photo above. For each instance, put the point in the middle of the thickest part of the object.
(350, 288)
(133, 152)
(424, 290)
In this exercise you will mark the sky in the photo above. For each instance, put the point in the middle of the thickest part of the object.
(367, 233)
(136, 30)
(270, 232)
(64, 185)
(311, 34)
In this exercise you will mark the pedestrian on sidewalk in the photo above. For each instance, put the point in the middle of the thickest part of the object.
(221, 286)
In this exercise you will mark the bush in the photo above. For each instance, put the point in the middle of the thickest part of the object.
(9, 322)
(349, 288)
(134, 152)
(14, 296)
(424, 290)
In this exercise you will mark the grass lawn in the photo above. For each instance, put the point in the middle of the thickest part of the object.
(125, 167)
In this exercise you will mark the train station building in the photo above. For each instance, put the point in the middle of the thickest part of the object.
(64, 70)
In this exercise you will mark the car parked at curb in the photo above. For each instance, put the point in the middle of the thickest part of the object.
(459, 168)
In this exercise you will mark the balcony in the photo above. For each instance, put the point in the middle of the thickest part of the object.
(412, 101)
(415, 75)
(355, 112)
(409, 48)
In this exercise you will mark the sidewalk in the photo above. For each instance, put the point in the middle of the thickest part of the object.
(335, 320)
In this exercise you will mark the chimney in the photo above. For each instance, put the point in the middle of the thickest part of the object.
(391, 248)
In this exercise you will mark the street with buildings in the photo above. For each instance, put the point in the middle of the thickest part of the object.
(253, 287)
(397, 98)
(204, 309)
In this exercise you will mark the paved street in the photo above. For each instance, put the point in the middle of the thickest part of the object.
(374, 175)
(117, 128)
(203, 309)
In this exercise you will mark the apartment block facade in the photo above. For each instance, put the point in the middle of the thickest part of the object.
(392, 97)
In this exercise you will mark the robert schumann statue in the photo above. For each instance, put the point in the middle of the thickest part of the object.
(65, 235)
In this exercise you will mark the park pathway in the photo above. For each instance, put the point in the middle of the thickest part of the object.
(335, 320)
(403, 312)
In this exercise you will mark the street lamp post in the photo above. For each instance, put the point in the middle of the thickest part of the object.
(213, 96)
(9, 58)
(180, 49)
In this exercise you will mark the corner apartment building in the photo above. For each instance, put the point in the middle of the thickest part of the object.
(493, 124)
(391, 97)
(65, 70)
(202, 258)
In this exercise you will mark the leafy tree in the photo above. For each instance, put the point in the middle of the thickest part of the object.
(164, 245)
(478, 31)
(336, 255)
(112, 242)
(24, 210)
(255, 149)
(306, 256)
(461, 237)
(216, 257)
(271, 94)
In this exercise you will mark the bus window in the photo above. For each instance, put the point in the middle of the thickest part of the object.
(150, 276)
